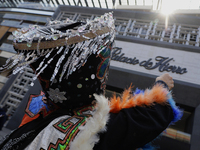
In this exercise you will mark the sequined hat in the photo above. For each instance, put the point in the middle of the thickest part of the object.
(70, 59)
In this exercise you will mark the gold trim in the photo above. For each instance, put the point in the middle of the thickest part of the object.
(60, 42)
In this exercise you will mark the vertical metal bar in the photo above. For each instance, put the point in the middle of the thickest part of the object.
(52, 2)
(80, 3)
(188, 38)
(139, 32)
(14, 3)
(10, 3)
(106, 3)
(74, 2)
(154, 28)
(59, 16)
(63, 2)
(43, 3)
(113, 1)
(93, 3)
(172, 33)
(17, 1)
(127, 2)
(46, 3)
(7, 3)
(127, 26)
(75, 16)
(149, 29)
(69, 2)
(197, 37)
(57, 2)
(178, 32)
(3, 3)
(135, 2)
(49, 3)
(158, 4)
(162, 35)
(120, 2)
(99, 3)
(86, 3)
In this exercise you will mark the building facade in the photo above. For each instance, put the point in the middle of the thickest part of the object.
(145, 47)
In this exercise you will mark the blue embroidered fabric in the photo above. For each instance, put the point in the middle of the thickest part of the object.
(37, 104)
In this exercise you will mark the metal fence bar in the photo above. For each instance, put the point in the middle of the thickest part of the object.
(80, 3)
(63, 2)
(99, 3)
(86, 3)
(106, 3)
(93, 3)
(74, 2)
(69, 2)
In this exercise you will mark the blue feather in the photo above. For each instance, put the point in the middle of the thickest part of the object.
(147, 147)
(178, 113)
(138, 91)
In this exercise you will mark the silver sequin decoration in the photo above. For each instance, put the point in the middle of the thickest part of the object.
(92, 76)
(56, 95)
(80, 51)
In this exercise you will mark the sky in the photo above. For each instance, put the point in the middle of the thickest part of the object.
(168, 6)
(179, 4)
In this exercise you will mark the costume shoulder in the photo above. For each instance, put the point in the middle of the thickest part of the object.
(136, 119)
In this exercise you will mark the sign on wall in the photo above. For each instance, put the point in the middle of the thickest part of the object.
(162, 62)
(141, 58)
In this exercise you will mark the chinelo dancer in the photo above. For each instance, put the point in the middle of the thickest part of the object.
(71, 60)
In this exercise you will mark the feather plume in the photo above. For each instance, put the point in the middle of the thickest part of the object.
(157, 94)
(87, 137)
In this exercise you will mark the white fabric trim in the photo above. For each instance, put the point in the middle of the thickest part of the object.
(87, 137)
(48, 135)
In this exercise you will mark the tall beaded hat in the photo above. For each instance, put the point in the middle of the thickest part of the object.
(70, 59)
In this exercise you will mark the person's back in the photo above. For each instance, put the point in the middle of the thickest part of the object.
(71, 61)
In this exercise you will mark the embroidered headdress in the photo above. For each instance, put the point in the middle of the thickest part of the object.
(71, 59)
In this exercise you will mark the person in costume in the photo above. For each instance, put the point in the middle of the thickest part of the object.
(71, 60)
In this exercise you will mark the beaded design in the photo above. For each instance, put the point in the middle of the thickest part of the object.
(56, 95)
(70, 127)
(105, 56)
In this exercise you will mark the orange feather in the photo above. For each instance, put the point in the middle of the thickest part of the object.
(157, 94)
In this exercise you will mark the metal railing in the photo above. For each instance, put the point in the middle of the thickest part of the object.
(185, 34)
(85, 3)
(55, 3)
